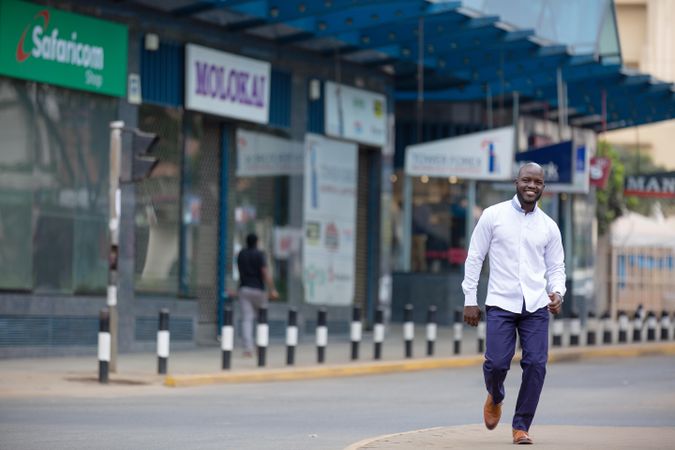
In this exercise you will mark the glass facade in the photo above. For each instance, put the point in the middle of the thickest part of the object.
(53, 188)
(263, 205)
(157, 213)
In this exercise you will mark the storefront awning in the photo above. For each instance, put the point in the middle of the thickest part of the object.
(465, 55)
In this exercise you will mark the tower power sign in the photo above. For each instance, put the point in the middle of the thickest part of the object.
(52, 46)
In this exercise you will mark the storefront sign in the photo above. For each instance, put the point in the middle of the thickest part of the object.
(226, 85)
(355, 114)
(658, 185)
(556, 160)
(51, 46)
(600, 170)
(330, 190)
(260, 154)
(566, 167)
(487, 155)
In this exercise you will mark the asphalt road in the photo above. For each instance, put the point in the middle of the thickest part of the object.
(333, 413)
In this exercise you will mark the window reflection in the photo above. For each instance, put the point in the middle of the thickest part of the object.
(53, 188)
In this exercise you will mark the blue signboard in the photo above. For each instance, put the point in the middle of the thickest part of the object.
(556, 160)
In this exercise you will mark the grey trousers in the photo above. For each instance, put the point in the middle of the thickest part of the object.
(251, 300)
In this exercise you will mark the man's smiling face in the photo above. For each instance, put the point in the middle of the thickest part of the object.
(530, 184)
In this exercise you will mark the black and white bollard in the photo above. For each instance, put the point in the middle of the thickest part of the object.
(103, 345)
(637, 326)
(408, 330)
(558, 328)
(607, 328)
(457, 331)
(227, 338)
(665, 326)
(355, 332)
(575, 329)
(163, 339)
(378, 333)
(291, 336)
(431, 330)
(480, 329)
(262, 337)
(623, 327)
(651, 326)
(591, 329)
(321, 336)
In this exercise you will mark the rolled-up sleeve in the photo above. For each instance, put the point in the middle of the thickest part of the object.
(478, 248)
(554, 257)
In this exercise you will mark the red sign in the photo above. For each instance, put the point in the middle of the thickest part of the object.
(599, 173)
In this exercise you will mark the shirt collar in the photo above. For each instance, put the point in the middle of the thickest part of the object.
(516, 204)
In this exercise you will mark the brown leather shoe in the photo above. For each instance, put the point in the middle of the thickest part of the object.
(521, 437)
(491, 413)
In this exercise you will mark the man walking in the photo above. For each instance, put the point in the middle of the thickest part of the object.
(527, 281)
(253, 276)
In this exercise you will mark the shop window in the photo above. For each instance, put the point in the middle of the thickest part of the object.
(157, 214)
(53, 188)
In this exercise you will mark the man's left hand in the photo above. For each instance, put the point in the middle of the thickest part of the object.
(556, 303)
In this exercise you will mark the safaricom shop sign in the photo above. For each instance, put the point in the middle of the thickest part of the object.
(52, 46)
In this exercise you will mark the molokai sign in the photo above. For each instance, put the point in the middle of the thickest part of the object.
(226, 85)
(52, 46)
(658, 185)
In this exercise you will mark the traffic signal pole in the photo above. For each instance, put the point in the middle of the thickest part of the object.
(114, 205)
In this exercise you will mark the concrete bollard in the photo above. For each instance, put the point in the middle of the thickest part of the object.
(665, 326)
(291, 336)
(227, 338)
(623, 327)
(591, 329)
(408, 330)
(104, 346)
(575, 329)
(378, 333)
(457, 331)
(651, 326)
(356, 332)
(637, 326)
(558, 328)
(321, 336)
(262, 337)
(163, 339)
(431, 330)
(607, 328)
(481, 334)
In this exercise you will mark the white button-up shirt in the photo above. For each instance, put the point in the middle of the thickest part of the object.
(527, 260)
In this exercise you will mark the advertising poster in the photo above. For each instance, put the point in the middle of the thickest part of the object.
(329, 231)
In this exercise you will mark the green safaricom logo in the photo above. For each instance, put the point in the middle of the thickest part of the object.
(50, 46)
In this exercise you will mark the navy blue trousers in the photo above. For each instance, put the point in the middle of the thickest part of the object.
(501, 328)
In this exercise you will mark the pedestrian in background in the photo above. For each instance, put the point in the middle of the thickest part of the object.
(254, 276)
(527, 281)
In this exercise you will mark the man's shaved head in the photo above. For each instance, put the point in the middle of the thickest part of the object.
(528, 166)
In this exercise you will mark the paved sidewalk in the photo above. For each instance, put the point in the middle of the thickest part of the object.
(137, 372)
(553, 437)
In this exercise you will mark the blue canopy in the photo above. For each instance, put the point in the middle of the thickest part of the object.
(464, 54)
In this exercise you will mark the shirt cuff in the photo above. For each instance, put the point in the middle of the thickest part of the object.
(470, 300)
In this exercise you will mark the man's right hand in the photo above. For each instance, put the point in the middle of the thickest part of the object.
(472, 315)
(274, 295)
